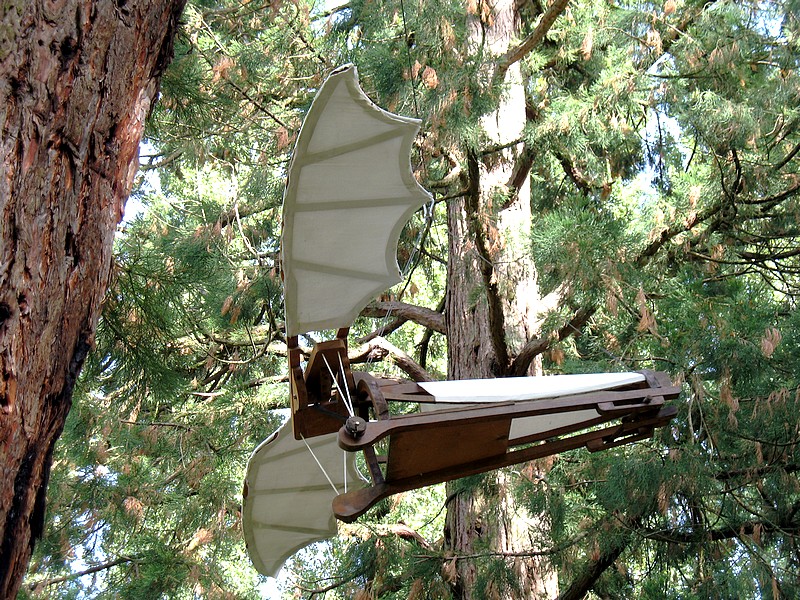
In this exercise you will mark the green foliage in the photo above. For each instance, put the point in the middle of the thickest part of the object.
(579, 245)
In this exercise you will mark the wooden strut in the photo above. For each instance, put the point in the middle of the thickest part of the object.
(434, 447)
(317, 406)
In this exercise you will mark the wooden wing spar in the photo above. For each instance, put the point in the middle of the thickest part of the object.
(349, 193)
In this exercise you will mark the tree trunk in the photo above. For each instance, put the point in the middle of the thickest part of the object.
(77, 79)
(492, 310)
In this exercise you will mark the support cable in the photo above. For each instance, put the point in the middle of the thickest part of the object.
(319, 464)
(343, 391)
(412, 78)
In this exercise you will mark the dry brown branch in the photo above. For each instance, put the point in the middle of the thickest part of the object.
(410, 312)
(379, 348)
(383, 330)
(42, 583)
(538, 345)
(533, 40)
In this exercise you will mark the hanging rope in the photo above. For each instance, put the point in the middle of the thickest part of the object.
(408, 54)
(428, 209)
(346, 389)
(411, 263)
(319, 464)
(342, 389)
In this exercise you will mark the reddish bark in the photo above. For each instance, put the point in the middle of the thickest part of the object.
(77, 80)
(491, 311)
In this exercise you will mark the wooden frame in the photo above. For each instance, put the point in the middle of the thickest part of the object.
(459, 440)
(317, 405)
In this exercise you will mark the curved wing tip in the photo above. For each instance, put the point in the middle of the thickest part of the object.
(344, 68)
(274, 571)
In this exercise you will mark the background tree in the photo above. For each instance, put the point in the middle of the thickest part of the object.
(77, 81)
(660, 144)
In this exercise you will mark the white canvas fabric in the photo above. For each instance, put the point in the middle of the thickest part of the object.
(349, 193)
(525, 388)
(526, 427)
(521, 389)
(288, 498)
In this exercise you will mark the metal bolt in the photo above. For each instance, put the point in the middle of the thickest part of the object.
(355, 426)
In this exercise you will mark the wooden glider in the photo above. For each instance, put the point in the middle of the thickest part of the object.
(350, 190)
(449, 440)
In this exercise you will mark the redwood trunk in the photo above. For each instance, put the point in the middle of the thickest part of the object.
(491, 311)
(77, 79)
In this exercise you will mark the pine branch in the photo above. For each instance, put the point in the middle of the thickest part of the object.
(268, 380)
(695, 218)
(321, 58)
(675, 33)
(581, 586)
(519, 175)
(398, 322)
(333, 11)
(42, 583)
(383, 330)
(163, 161)
(379, 348)
(453, 175)
(533, 40)
(536, 346)
(260, 335)
(453, 196)
(771, 202)
(518, 554)
(583, 184)
(726, 532)
(410, 312)
(769, 256)
(594, 568)
(157, 424)
(337, 583)
(228, 80)
(670, 232)
(500, 147)
(400, 530)
(788, 157)
(433, 257)
(229, 216)
(426, 338)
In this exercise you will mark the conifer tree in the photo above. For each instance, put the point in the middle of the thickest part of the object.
(659, 144)
(77, 80)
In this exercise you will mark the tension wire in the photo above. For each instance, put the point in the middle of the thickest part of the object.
(319, 464)
(408, 54)
(346, 395)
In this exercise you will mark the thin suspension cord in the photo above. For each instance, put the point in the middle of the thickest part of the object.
(408, 54)
(405, 271)
(428, 208)
(349, 405)
(346, 389)
(411, 263)
(346, 395)
(319, 464)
